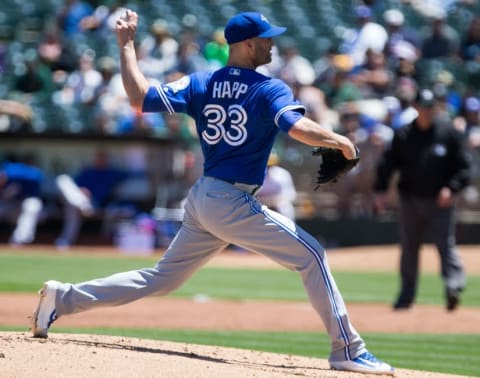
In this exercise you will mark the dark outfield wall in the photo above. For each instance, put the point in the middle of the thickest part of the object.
(352, 232)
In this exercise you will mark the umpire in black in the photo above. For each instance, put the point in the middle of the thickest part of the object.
(433, 166)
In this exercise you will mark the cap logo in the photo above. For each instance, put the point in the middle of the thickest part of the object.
(250, 25)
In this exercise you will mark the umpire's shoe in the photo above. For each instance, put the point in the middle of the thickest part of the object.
(45, 314)
(365, 363)
(453, 299)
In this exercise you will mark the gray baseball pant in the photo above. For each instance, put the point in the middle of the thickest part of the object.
(218, 214)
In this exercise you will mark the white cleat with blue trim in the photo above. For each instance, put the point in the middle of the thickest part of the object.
(45, 314)
(365, 363)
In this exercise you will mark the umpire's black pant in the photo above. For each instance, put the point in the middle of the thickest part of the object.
(417, 217)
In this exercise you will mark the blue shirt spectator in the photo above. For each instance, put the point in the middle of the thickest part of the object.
(71, 15)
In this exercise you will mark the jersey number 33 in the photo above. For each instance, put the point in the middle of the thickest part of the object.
(217, 116)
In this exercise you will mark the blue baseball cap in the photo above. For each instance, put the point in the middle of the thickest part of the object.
(362, 11)
(248, 25)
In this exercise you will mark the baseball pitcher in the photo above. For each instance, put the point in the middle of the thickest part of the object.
(238, 113)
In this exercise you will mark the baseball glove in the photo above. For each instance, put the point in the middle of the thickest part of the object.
(333, 164)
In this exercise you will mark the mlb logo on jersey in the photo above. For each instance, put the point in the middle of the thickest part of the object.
(235, 71)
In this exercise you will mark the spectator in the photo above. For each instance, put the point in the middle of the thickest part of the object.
(4, 44)
(278, 190)
(70, 16)
(158, 51)
(190, 58)
(433, 168)
(429, 8)
(190, 31)
(403, 60)
(56, 54)
(107, 67)
(294, 65)
(367, 35)
(313, 98)
(468, 122)
(403, 47)
(440, 40)
(324, 66)
(82, 83)
(471, 115)
(399, 33)
(392, 107)
(20, 198)
(88, 193)
(373, 78)
(109, 101)
(216, 50)
(354, 190)
(405, 92)
(339, 87)
(102, 20)
(36, 81)
(447, 92)
(470, 45)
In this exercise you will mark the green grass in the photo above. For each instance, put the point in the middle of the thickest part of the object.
(25, 272)
(454, 354)
(451, 354)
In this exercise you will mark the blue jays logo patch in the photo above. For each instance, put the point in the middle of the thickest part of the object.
(180, 84)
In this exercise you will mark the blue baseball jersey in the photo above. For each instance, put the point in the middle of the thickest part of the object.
(29, 178)
(237, 112)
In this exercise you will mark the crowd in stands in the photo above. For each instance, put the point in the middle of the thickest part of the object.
(362, 84)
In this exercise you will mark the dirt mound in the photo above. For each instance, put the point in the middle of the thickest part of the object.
(87, 356)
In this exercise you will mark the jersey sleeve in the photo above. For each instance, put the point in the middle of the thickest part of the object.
(283, 107)
(171, 97)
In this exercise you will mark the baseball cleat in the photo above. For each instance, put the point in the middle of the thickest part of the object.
(365, 363)
(453, 299)
(45, 314)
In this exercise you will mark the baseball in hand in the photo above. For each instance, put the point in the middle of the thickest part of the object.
(126, 16)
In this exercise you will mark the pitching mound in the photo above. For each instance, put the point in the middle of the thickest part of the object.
(64, 355)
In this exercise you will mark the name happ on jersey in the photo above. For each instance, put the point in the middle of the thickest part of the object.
(227, 89)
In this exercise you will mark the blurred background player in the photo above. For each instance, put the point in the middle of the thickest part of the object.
(20, 198)
(86, 194)
(278, 190)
